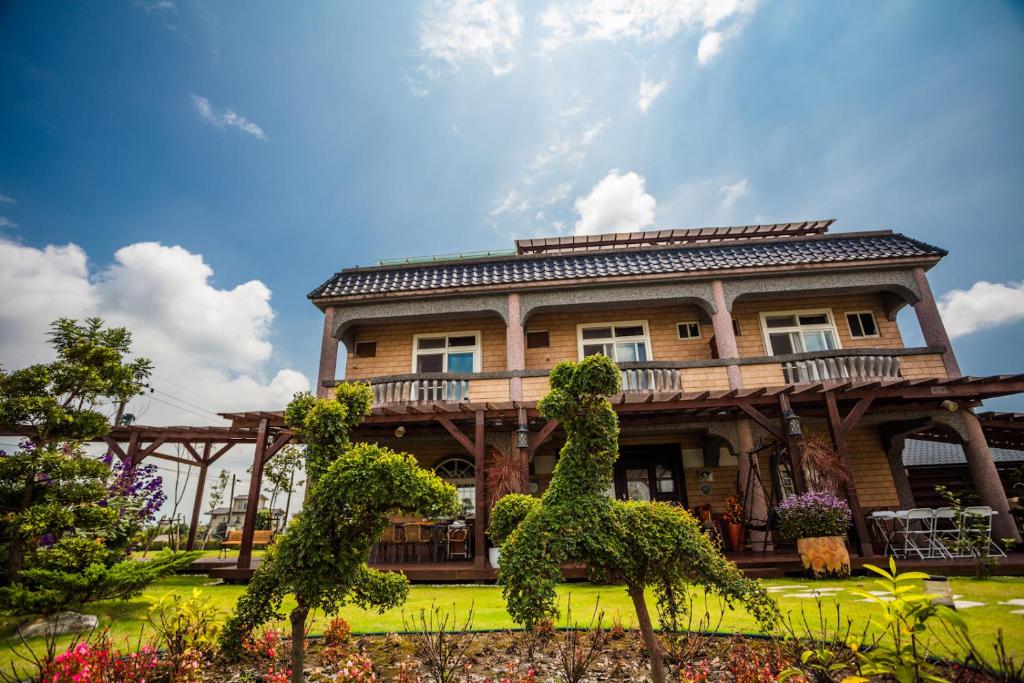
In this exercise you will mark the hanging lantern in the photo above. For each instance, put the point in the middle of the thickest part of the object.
(793, 427)
(523, 436)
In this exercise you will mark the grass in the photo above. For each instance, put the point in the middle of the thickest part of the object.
(210, 552)
(128, 619)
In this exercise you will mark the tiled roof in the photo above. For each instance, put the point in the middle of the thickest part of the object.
(919, 453)
(529, 269)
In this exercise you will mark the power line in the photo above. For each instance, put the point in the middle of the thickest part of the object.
(188, 403)
(172, 405)
(191, 390)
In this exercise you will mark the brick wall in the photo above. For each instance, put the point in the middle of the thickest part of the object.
(927, 365)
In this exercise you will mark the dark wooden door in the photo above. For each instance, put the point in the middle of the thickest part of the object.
(650, 473)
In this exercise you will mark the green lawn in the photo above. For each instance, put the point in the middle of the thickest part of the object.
(127, 618)
(231, 554)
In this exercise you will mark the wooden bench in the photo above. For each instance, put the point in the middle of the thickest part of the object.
(261, 538)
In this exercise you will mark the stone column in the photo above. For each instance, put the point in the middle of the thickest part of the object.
(515, 347)
(931, 323)
(328, 355)
(986, 478)
(753, 498)
(725, 336)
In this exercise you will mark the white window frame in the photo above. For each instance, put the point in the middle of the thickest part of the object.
(620, 323)
(700, 332)
(766, 332)
(477, 348)
(874, 318)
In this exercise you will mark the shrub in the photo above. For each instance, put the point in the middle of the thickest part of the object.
(509, 511)
(187, 628)
(813, 514)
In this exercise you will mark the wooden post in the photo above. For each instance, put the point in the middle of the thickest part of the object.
(253, 501)
(479, 448)
(838, 432)
(522, 454)
(196, 506)
(515, 347)
(754, 500)
(133, 450)
(792, 447)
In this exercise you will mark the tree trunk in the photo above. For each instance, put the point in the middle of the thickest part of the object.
(298, 619)
(16, 547)
(636, 593)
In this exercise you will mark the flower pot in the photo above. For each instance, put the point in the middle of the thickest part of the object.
(824, 557)
(735, 533)
(492, 556)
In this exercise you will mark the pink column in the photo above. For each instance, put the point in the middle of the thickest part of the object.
(725, 337)
(515, 347)
(986, 478)
(931, 323)
(328, 355)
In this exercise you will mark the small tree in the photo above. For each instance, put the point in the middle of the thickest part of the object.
(633, 543)
(280, 473)
(67, 528)
(322, 556)
(216, 498)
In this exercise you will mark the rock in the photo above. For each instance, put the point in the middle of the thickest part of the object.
(59, 623)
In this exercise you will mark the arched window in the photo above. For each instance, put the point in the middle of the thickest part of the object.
(460, 473)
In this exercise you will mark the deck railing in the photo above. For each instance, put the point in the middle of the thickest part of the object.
(841, 366)
(437, 389)
(650, 379)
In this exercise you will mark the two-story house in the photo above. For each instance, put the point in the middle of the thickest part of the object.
(224, 519)
(732, 343)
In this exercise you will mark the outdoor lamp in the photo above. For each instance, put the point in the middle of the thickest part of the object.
(400, 431)
(792, 423)
(523, 436)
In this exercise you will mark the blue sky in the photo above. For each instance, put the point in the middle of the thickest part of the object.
(266, 145)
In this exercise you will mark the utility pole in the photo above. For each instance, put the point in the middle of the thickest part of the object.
(231, 504)
(288, 499)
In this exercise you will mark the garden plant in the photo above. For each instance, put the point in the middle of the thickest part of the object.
(322, 557)
(638, 544)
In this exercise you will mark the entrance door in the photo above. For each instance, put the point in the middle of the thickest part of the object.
(650, 473)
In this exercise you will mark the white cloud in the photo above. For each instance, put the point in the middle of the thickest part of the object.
(159, 6)
(619, 203)
(210, 346)
(709, 46)
(733, 193)
(6, 222)
(461, 32)
(229, 117)
(649, 91)
(6, 199)
(984, 305)
(641, 21)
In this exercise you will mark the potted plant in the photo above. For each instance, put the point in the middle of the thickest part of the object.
(504, 475)
(505, 517)
(818, 522)
(733, 520)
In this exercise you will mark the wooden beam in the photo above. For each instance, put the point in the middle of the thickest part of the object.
(193, 524)
(116, 447)
(835, 428)
(152, 447)
(174, 458)
(193, 452)
(277, 445)
(132, 458)
(457, 434)
(253, 501)
(543, 435)
(762, 419)
(479, 448)
(854, 416)
(220, 451)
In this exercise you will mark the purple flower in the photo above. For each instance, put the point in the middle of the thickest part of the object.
(47, 540)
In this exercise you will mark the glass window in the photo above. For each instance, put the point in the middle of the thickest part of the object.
(365, 349)
(458, 352)
(666, 480)
(689, 330)
(638, 485)
(622, 343)
(461, 474)
(537, 339)
(862, 324)
(799, 332)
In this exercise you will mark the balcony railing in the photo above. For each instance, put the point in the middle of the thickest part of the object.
(650, 378)
(424, 389)
(841, 366)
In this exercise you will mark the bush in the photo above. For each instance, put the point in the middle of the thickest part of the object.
(508, 512)
(813, 514)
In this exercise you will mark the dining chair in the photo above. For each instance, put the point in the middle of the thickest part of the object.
(980, 517)
(458, 543)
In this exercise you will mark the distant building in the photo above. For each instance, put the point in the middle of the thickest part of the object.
(234, 516)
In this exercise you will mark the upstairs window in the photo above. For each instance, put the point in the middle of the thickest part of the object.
(365, 349)
(688, 330)
(537, 339)
(623, 342)
(862, 325)
(454, 352)
(799, 331)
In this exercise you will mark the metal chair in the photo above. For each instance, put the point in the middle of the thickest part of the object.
(981, 515)
(947, 533)
(919, 533)
(884, 524)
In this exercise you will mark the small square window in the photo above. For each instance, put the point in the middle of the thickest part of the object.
(365, 349)
(688, 330)
(862, 325)
(537, 339)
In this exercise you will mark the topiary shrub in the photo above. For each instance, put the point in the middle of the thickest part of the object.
(506, 515)
(322, 557)
(638, 544)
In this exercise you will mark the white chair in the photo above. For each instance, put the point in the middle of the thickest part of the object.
(919, 533)
(885, 523)
(947, 533)
(980, 517)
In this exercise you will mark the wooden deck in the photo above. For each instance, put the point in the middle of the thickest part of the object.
(754, 565)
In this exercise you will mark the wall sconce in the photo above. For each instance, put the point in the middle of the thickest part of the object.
(523, 436)
(793, 427)
(951, 406)
(400, 431)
